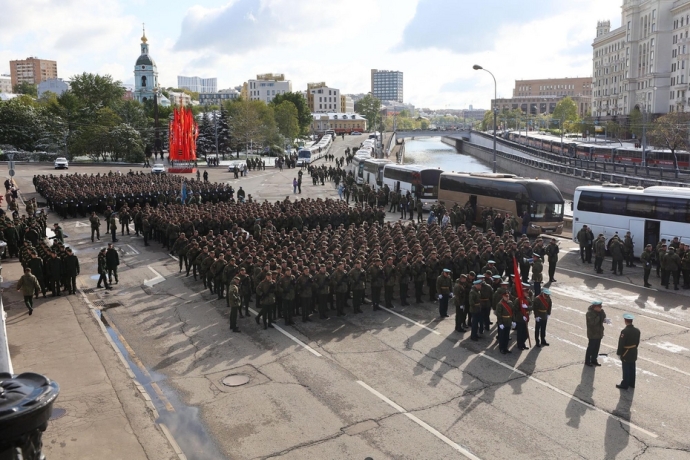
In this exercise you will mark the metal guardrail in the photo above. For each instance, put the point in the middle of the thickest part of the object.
(600, 176)
(647, 172)
(5, 358)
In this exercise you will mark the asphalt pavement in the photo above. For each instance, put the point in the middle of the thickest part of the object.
(392, 384)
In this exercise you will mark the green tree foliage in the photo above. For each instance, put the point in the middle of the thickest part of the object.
(566, 110)
(205, 142)
(22, 124)
(370, 108)
(304, 117)
(97, 91)
(26, 88)
(635, 120)
(487, 123)
(670, 131)
(286, 117)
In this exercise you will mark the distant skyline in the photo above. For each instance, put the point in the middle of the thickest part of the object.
(434, 42)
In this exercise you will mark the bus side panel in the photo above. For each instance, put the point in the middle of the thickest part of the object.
(636, 229)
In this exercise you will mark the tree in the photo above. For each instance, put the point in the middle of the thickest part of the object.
(286, 117)
(424, 124)
(126, 144)
(370, 108)
(22, 123)
(487, 123)
(566, 111)
(670, 131)
(26, 88)
(223, 131)
(304, 117)
(244, 123)
(97, 91)
(205, 142)
(635, 120)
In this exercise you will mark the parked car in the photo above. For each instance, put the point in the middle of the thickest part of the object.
(158, 168)
(355, 133)
(61, 163)
(241, 165)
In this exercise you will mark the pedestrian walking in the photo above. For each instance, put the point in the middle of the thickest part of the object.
(102, 271)
(29, 286)
(54, 273)
(95, 226)
(112, 260)
(294, 186)
(628, 342)
(596, 318)
(71, 265)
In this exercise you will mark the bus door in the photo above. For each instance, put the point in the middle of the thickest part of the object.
(473, 203)
(652, 233)
(397, 186)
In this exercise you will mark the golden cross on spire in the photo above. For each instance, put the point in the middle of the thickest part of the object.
(143, 37)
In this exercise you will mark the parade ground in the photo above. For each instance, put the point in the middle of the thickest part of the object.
(151, 370)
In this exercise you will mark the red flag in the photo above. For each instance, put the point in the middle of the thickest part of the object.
(519, 291)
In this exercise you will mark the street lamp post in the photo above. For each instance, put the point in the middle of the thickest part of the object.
(478, 67)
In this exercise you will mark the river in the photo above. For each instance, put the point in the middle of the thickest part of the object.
(431, 151)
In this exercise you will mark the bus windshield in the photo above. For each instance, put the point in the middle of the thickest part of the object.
(304, 154)
(547, 212)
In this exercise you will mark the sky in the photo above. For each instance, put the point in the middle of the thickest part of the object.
(434, 42)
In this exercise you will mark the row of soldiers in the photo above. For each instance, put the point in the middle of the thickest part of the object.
(73, 194)
(56, 267)
(15, 230)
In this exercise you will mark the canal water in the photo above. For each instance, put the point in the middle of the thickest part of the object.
(431, 151)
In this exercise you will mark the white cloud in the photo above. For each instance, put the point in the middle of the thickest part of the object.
(337, 41)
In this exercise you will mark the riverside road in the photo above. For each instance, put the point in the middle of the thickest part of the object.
(390, 384)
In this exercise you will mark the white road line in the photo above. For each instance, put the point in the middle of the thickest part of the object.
(195, 294)
(410, 320)
(158, 279)
(568, 395)
(608, 279)
(421, 423)
(133, 250)
(293, 338)
(173, 257)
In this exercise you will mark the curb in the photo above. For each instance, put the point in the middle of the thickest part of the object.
(147, 398)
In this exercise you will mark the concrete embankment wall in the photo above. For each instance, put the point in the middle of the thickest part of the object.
(564, 177)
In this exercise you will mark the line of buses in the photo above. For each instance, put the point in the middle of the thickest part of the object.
(594, 152)
(307, 155)
(504, 193)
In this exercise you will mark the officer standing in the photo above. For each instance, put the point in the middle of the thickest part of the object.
(541, 306)
(389, 274)
(628, 342)
(234, 302)
(459, 289)
(357, 279)
(112, 260)
(599, 253)
(95, 226)
(552, 253)
(265, 292)
(71, 265)
(475, 307)
(504, 314)
(596, 317)
(646, 259)
(444, 287)
(375, 278)
(286, 286)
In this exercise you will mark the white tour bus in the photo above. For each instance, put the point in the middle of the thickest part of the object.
(373, 172)
(308, 155)
(649, 214)
(421, 181)
(356, 166)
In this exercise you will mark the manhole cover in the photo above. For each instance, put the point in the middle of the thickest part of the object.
(57, 413)
(235, 380)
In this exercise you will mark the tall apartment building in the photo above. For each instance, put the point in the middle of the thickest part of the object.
(540, 96)
(322, 99)
(267, 86)
(387, 85)
(32, 70)
(5, 84)
(198, 84)
(643, 63)
(347, 104)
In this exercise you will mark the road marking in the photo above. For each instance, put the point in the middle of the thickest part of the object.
(421, 423)
(133, 250)
(195, 294)
(568, 395)
(411, 320)
(80, 224)
(173, 257)
(608, 279)
(152, 282)
(160, 394)
(293, 338)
